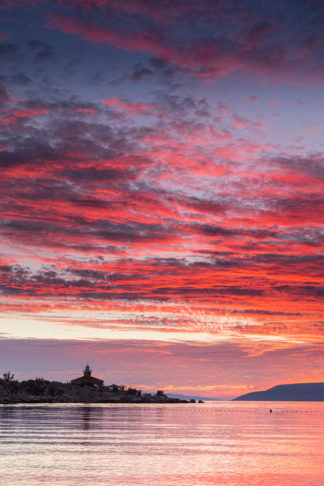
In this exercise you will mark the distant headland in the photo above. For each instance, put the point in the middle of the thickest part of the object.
(85, 389)
(295, 392)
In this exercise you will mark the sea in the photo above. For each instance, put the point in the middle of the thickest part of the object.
(214, 443)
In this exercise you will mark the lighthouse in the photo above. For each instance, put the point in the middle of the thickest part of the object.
(87, 379)
(87, 371)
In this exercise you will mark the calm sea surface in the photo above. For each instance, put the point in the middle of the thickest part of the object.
(222, 443)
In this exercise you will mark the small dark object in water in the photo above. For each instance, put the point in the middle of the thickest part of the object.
(270, 410)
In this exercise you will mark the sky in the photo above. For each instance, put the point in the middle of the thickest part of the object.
(161, 192)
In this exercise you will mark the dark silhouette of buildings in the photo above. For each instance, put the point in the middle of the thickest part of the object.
(87, 379)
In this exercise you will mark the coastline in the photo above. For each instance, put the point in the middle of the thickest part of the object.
(38, 400)
(40, 391)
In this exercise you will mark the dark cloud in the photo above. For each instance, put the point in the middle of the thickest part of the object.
(231, 232)
(140, 72)
(314, 291)
(45, 54)
(135, 232)
(21, 79)
(301, 206)
(208, 206)
(99, 174)
(4, 95)
(312, 165)
(36, 44)
(215, 230)
(207, 292)
(31, 151)
(263, 312)
(8, 51)
(222, 38)
(89, 274)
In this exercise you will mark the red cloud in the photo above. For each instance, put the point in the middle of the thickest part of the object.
(118, 105)
(16, 115)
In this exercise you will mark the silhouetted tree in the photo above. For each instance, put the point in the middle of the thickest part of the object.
(8, 377)
(36, 387)
(133, 391)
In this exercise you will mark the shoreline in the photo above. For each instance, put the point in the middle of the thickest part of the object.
(31, 401)
(40, 391)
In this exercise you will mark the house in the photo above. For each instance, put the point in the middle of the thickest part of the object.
(87, 379)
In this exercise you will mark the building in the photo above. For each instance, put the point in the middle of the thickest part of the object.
(87, 379)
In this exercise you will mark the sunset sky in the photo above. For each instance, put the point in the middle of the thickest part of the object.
(162, 194)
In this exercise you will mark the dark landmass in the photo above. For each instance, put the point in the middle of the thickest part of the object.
(44, 391)
(296, 392)
(192, 397)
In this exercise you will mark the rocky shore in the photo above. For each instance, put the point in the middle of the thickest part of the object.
(44, 391)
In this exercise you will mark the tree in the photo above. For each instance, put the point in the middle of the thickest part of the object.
(8, 377)
(34, 387)
(133, 391)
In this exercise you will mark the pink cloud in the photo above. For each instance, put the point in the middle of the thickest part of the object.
(120, 105)
(17, 114)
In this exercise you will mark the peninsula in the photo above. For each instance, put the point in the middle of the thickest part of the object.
(295, 392)
(86, 389)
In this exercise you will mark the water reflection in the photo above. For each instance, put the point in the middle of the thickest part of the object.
(219, 443)
(87, 413)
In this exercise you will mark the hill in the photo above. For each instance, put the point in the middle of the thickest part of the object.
(295, 392)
